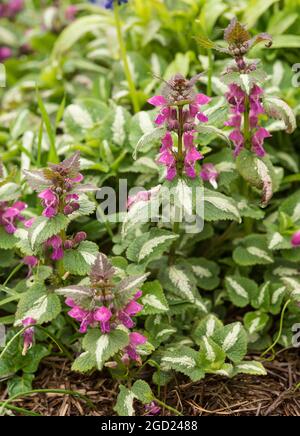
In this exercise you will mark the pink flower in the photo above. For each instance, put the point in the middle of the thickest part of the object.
(130, 352)
(167, 156)
(50, 202)
(142, 196)
(70, 12)
(56, 243)
(296, 239)
(31, 262)
(90, 317)
(258, 140)
(132, 309)
(238, 139)
(191, 156)
(9, 215)
(210, 174)
(5, 53)
(28, 334)
(152, 409)
(103, 315)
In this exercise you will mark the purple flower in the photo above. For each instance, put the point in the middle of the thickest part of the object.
(70, 12)
(236, 97)
(56, 243)
(131, 309)
(142, 196)
(191, 156)
(90, 317)
(11, 9)
(31, 262)
(152, 409)
(50, 202)
(5, 53)
(28, 334)
(103, 315)
(210, 174)
(258, 140)
(130, 352)
(180, 111)
(296, 239)
(9, 215)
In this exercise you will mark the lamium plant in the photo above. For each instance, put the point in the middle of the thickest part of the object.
(198, 273)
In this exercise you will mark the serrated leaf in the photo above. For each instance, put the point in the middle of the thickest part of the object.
(38, 304)
(153, 299)
(104, 346)
(219, 207)
(84, 362)
(253, 250)
(44, 228)
(9, 191)
(149, 138)
(150, 245)
(206, 272)
(233, 340)
(181, 283)
(79, 261)
(142, 392)
(255, 321)
(124, 405)
(7, 241)
(240, 290)
(293, 285)
(250, 367)
(280, 110)
(214, 132)
(208, 326)
(211, 354)
(183, 360)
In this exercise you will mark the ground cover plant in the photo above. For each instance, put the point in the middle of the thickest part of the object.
(149, 199)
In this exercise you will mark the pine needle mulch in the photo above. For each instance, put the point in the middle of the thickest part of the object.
(272, 395)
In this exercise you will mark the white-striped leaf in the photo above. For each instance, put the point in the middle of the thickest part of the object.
(280, 110)
(240, 290)
(153, 299)
(233, 340)
(80, 260)
(219, 207)
(250, 367)
(44, 228)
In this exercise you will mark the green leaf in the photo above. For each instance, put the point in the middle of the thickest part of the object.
(153, 299)
(250, 367)
(142, 392)
(218, 206)
(77, 30)
(278, 293)
(293, 286)
(150, 246)
(180, 281)
(80, 260)
(262, 299)
(206, 271)
(84, 362)
(207, 326)
(255, 321)
(20, 384)
(9, 191)
(233, 340)
(44, 228)
(148, 138)
(103, 346)
(212, 356)
(240, 290)
(38, 304)
(124, 405)
(7, 241)
(184, 360)
(253, 250)
(280, 110)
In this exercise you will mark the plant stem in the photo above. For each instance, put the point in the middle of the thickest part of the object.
(164, 405)
(271, 348)
(123, 52)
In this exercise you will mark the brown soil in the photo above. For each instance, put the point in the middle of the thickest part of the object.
(273, 395)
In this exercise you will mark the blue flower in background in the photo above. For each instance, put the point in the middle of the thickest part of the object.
(108, 4)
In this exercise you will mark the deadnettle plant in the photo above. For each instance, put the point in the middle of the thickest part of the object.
(107, 305)
(59, 187)
(180, 111)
